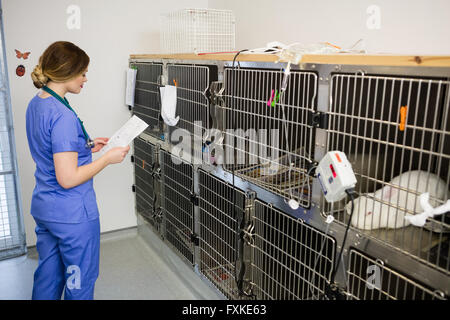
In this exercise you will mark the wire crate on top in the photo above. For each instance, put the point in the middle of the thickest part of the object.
(198, 30)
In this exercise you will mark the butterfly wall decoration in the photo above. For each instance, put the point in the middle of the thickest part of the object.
(22, 55)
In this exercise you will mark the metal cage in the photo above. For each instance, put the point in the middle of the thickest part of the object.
(389, 121)
(371, 279)
(291, 260)
(147, 105)
(178, 209)
(219, 231)
(396, 133)
(269, 137)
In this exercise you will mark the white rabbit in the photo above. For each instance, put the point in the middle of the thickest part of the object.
(386, 208)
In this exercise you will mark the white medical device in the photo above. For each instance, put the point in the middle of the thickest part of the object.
(335, 175)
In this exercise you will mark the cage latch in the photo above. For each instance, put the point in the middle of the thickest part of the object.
(249, 234)
(133, 188)
(195, 239)
(156, 172)
(132, 158)
(318, 120)
(157, 215)
(194, 199)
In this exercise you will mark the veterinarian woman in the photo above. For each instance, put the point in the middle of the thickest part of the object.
(64, 204)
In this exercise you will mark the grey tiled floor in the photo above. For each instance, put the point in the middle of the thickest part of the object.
(130, 268)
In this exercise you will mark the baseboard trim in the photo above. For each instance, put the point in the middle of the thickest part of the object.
(110, 235)
(119, 233)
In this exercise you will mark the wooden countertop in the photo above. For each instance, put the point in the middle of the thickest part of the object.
(343, 58)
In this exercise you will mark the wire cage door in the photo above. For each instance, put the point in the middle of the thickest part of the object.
(178, 208)
(146, 197)
(147, 102)
(193, 107)
(219, 230)
(268, 136)
(291, 260)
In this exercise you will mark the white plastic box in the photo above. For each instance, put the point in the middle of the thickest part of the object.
(335, 175)
(198, 31)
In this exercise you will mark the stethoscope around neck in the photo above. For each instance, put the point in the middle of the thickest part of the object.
(89, 142)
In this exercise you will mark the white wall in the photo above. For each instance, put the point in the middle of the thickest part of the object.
(406, 26)
(110, 31)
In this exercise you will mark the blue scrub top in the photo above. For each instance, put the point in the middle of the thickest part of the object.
(53, 128)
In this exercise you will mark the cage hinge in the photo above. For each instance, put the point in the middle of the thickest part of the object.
(156, 154)
(133, 188)
(318, 120)
(250, 205)
(311, 167)
(160, 81)
(195, 239)
(215, 93)
(245, 287)
(245, 290)
(194, 199)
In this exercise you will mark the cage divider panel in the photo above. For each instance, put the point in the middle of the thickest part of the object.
(365, 123)
(372, 279)
(143, 165)
(219, 231)
(147, 104)
(273, 135)
(178, 207)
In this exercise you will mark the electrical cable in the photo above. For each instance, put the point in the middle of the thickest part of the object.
(350, 192)
(310, 284)
(331, 288)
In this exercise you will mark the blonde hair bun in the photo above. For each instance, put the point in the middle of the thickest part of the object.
(38, 77)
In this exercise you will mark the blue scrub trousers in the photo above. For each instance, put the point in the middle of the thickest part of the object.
(69, 255)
